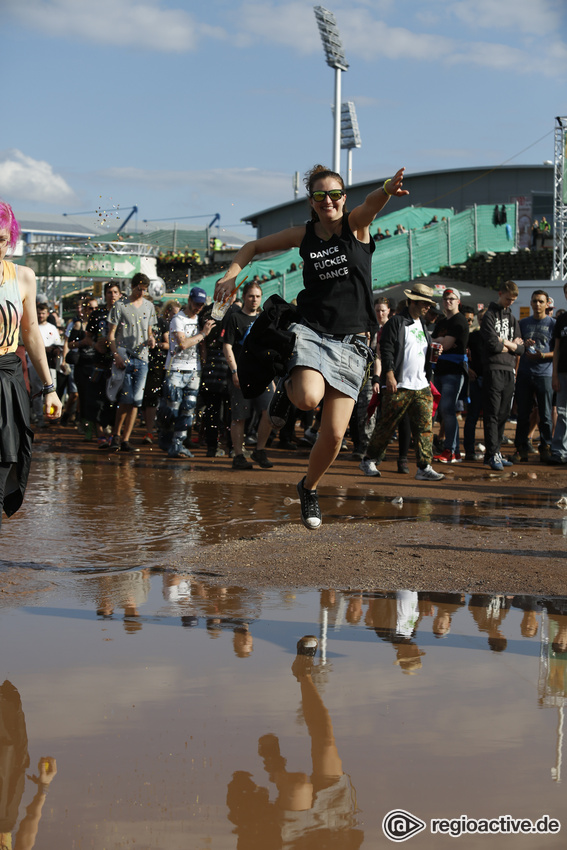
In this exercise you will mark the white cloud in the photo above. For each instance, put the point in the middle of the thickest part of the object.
(232, 191)
(376, 40)
(25, 179)
(364, 37)
(132, 23)
(229, 181)
(290, 24)
(365, 26)
(536, 17)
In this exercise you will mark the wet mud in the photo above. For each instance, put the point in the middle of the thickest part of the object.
(87, 510)
(157, 690)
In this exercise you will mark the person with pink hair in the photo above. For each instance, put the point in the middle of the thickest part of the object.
(18, 314)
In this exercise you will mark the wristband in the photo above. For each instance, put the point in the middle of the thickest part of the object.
(48, 388)
(389, 180)
(376, 379)
(233, 371)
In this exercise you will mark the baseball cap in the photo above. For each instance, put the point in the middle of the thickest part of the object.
(452, 291)
(198, 295)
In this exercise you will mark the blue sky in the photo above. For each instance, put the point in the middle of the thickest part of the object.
(194, 108)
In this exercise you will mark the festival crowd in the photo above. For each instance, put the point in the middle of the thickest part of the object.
(174, 369)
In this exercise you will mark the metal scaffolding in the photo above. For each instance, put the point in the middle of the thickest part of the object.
(560, 202)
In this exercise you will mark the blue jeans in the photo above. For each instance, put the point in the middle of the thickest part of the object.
(528, 386)
(473, 415)
(180, 393)
(135, 374)
(450, 387)
(559, 442)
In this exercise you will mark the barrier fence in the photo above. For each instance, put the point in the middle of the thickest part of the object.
(422, 250)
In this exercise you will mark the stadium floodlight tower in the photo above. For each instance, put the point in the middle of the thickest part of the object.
(350, 135)
(560, 202)
(335, 57)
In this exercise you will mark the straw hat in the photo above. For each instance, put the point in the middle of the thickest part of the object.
(420, 292)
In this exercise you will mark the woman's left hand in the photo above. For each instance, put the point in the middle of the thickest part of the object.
(395, 186)
(52, 406)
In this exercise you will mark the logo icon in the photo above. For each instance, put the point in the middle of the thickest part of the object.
(399, 825)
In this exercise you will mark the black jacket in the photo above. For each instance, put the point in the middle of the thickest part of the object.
(267, 347)
(392, 345)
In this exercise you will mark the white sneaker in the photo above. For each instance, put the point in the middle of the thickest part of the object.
(428, 474)
(369, 468)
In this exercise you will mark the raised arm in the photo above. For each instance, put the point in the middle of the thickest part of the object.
(362, 216)
(282, 241)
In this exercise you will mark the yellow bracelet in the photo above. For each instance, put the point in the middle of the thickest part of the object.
(389, 180)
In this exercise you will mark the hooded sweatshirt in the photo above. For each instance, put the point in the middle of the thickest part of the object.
(499, 324)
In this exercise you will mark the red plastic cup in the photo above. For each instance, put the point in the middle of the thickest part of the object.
(436, 349)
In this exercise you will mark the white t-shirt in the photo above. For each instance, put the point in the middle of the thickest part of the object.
(50, 334)
(415, 352)
(179, 359)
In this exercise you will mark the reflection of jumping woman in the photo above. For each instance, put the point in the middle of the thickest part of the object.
(337, 314)
(18, 312)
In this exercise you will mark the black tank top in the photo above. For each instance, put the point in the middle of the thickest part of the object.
(337, 275)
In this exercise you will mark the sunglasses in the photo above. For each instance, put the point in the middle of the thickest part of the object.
(334, 195)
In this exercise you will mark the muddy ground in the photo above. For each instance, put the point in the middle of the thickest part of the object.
(496, 532)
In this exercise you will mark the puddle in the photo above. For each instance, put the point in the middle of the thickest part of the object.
(165, 713)
(85, 514)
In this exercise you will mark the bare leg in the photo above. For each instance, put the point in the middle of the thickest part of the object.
(264, 430)
(334, 422)
(237, 435)
(120, 419)
(305, 389)
(129, 421)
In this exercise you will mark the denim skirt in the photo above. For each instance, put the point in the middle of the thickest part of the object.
(342, 364)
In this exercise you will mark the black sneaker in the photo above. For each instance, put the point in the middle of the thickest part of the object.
(128, 447)
(403, 467)
(280, 405)
(114, 445)
(240, 462)
(261, 458)
(310, 510)
(307, 645)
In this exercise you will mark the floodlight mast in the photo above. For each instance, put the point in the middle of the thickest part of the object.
(335, 57)
(560, 202)
(350, 135)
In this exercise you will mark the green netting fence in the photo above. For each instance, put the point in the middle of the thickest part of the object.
(420, 251)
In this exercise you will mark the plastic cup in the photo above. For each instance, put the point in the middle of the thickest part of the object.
(219, 309)
(436, 349)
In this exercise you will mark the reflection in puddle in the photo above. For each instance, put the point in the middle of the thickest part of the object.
(179, 715)
(83, 514)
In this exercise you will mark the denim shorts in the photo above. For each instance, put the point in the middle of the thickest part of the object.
(135, 374)
(242, 408)
(342, 364)
(71, 384)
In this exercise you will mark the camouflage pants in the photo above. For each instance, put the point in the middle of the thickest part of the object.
(418, 404)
